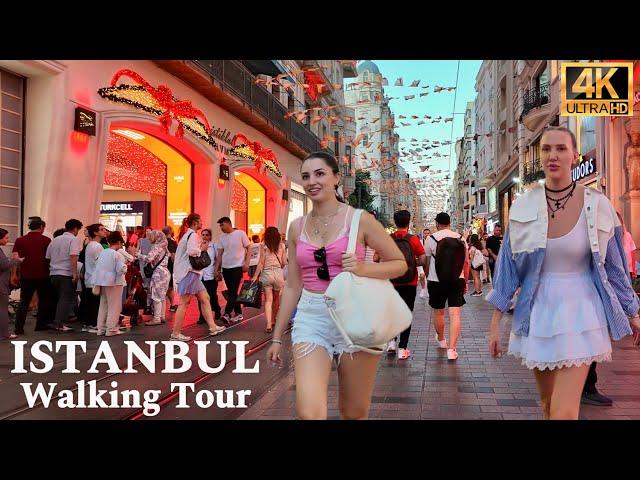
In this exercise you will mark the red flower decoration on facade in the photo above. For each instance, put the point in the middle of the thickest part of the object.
(314, 84)
(262, 154)
(163, 95)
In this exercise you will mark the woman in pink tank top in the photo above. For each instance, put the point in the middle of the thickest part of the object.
(317, 254)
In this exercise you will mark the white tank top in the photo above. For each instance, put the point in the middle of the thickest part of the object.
(571, 252)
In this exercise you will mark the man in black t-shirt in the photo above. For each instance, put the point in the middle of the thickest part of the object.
(172, 246)
(493, 246)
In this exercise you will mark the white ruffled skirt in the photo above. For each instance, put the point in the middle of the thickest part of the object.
(568, 324)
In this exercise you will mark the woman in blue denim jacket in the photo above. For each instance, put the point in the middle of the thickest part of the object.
(564, 250)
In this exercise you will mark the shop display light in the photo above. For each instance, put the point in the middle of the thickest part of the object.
(133, 167)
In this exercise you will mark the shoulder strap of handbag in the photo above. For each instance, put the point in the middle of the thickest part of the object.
(156, 265)
(353, 230)
(280, 261)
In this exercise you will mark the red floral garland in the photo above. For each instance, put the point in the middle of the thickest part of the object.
(163, 95)
(261, 153)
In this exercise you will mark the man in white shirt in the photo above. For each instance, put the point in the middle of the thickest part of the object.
(233, 257)
(450, 291)
(189, 281)
(63, 252)
(90, 303)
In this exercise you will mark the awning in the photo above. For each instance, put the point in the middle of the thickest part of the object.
(263, 67)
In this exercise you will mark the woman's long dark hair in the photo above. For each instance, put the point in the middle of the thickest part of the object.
(474, 241)
(331, 162)
(3, 233)
(272, 239)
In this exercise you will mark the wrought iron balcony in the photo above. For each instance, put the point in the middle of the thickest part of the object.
(237, 79)
(536, 97)
(532, 172)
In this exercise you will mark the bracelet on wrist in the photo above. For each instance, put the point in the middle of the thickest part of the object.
(275, 340)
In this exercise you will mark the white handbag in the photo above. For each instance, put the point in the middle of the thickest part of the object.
(367, 311)
(478, 259)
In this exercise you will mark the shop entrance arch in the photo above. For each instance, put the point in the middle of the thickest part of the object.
(170, 177)
(248, 209)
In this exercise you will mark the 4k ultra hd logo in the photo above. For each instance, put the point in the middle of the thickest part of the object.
(596, 89)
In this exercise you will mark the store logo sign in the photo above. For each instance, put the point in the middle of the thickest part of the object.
(85, 121)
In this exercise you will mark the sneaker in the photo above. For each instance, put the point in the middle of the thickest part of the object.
(113, 333)
(404, 354)
(12, 336)
(441, 343)
(476, 294)
(64, 328)
(595, 398)
(225, 319)
(87, 328)
(91, 330)
(153, 322)
(391, 347)
(238, 318)
(218, 329)
(100, 334)
(180, 336)
(452, 354)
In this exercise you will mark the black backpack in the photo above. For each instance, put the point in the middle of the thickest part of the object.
(449, 258)
(405, 247)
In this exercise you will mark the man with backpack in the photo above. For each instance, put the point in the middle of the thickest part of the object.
(405, 285)
(448, 267)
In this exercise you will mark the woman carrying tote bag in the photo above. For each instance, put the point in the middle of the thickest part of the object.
(317, 245)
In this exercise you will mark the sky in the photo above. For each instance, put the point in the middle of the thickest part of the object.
(431, 73)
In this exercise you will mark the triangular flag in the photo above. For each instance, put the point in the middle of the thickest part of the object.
(424, 94)
(415, 83)
(385, 82)
(398, 82)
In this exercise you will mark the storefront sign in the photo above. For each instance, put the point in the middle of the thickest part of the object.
(85, 121)
(584, 169)
(224, 172)
(130, 207)
(493, 199)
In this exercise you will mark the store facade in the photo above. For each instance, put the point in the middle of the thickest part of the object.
(129, 133)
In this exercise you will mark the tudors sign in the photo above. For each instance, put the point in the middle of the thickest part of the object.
(584, 169)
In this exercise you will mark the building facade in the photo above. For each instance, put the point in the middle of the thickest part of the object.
(148, 142)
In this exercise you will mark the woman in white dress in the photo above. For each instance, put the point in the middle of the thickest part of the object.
(563, 250)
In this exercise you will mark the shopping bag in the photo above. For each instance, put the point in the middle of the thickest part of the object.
(250, 294)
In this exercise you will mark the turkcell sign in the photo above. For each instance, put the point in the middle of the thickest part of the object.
(116, 207)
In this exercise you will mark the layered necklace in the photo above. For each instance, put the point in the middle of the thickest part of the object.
(321, 223)
(556, 204)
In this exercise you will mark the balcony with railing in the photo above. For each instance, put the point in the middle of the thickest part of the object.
(232, 86)
(536, 106)
(532, 171)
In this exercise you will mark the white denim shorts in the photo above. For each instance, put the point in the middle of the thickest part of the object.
(313, 327)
